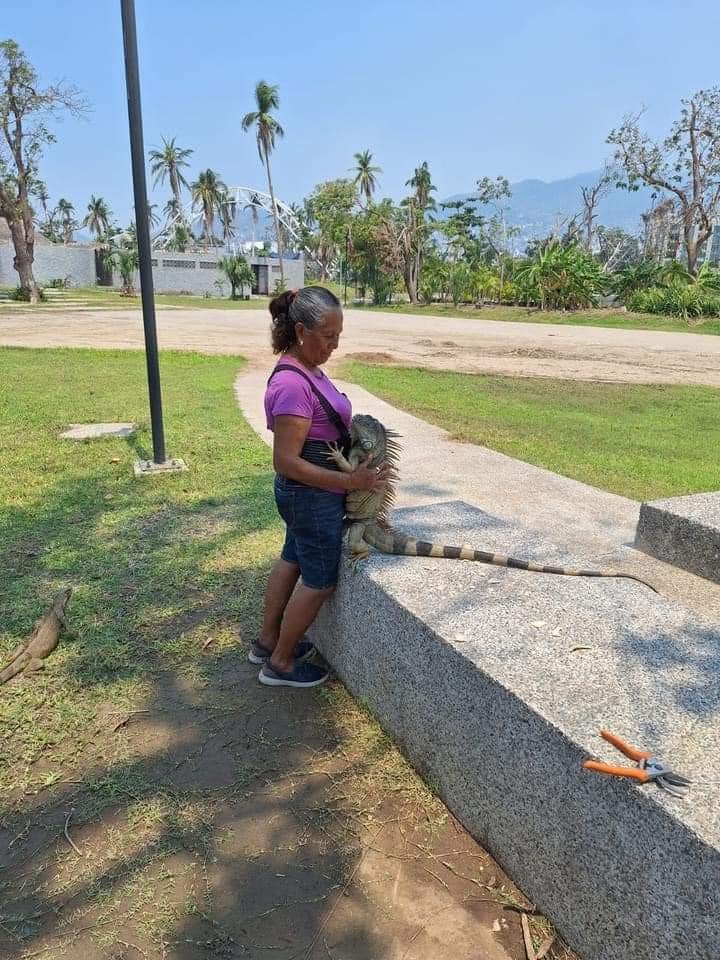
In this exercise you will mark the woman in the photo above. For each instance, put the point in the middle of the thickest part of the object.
(305, 412)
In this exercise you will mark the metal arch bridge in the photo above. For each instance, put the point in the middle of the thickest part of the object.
(238, 200)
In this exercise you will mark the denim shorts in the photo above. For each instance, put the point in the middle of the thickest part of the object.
(314, 520)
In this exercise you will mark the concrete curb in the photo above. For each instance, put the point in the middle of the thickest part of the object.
(683, 531)
(496, 684)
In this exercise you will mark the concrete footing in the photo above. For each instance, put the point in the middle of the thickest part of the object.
(148, 468)
(683, 531)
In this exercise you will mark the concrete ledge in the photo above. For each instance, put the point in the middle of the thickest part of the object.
(684, 531)
(484, 678)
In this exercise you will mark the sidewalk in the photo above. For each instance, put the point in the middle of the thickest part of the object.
(596, 525)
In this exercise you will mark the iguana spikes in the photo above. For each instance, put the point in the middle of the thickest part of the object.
(368, 512)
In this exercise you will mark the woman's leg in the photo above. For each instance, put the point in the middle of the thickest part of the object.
(280, 585)
(300, 612)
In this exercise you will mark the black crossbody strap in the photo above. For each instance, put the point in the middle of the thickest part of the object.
(333, 416)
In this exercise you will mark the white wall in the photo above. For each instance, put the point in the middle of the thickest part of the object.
(52, 261)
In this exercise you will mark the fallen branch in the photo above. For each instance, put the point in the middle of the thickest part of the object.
(529, 949)
(67, 834)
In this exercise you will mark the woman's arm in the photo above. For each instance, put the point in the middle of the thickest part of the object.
(289, 437)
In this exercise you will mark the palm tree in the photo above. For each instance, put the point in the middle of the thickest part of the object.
(98, 216)
(208, 192)
(422, 184)
(67, 221)
(238, 272)
(228, 206)
(181, 238)
(168, 164)
(126, 260)
(153, 218)
(267, 128)
(365, 172)
(171, 210)
(252, 205)
(43, 196)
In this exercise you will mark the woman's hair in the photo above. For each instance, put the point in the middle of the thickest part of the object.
(307, 306)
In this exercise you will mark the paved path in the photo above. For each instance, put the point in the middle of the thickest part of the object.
(596, 525)
(522, 349)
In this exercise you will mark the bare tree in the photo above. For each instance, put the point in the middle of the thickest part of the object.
(686, 165)
(24, 110)
(591, 197)
(661, 230)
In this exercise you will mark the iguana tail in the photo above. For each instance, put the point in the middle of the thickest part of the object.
(16, 666)
(393, 542)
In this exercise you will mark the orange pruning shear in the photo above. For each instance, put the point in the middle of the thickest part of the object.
(648, 767)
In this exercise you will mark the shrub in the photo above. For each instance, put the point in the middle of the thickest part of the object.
(560, 277)
(23, 296)
(638, 276)
(678, 299)
(239, 274)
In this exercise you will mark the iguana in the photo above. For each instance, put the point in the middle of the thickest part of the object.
(368, 510)
(42, 641)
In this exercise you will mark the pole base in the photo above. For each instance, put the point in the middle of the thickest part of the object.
(148, 468)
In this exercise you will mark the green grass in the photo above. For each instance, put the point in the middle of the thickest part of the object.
(108, 297)
(157, 565)
(642, 442)
(578, 318)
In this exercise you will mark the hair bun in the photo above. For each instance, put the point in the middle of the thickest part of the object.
(280, 305)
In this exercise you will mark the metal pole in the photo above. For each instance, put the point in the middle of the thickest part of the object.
(137, 150)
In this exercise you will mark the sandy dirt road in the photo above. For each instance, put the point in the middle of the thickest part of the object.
(473, 346)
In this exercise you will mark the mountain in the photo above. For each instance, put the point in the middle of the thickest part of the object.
(536, 205)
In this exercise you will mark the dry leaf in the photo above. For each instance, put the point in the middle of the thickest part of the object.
(207, 643)
(544, 947)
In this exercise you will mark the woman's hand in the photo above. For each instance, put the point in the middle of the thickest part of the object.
(365, 477)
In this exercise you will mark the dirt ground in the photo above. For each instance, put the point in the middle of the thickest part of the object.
(474, 346)
(239, 822)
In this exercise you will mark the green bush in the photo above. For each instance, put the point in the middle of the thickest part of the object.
(637, 276)
(23, 296)
(688, 301)
(560, 277)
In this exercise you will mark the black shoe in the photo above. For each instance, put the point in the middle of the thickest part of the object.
(302, 675)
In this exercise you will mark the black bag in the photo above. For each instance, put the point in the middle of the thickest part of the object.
(315, 451)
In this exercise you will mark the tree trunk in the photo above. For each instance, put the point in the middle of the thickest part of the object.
(692, 249)
(410, 283)
(275, 218)
(23, 238)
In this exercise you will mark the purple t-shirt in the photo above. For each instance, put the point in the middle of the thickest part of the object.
(289, 394)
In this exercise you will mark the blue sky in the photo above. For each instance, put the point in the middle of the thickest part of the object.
(524, 89)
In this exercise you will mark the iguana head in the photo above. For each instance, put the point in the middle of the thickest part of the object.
(371, 439)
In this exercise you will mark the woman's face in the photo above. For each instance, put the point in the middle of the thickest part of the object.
(317, 345)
